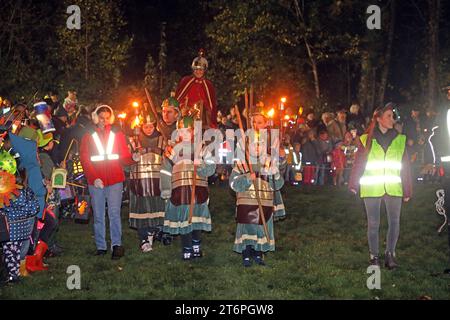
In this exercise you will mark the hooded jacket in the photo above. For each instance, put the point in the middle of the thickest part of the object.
(109, 171)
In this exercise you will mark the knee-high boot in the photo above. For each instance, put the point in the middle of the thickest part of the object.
(35, 262)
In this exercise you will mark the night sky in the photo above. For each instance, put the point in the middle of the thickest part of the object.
(185, 34)
(186, 21)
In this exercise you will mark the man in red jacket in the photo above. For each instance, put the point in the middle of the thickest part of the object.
(103, 153)
(196, 90)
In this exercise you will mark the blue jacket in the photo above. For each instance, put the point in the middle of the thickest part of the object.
(27, 149)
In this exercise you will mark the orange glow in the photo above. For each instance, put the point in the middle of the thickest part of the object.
(122, 115)
(286, 117)
(136, 122)
(283, 99)
(8, 188)
(271, 113)
(135, 104)
(300, 110)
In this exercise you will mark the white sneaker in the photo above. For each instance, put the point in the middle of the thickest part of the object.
(146, 246)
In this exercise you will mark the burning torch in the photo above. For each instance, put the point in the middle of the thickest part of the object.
(122, 116)
(136, 125)
(282, 103)
(271, 114)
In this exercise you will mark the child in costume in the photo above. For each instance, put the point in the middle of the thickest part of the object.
(46, 144)
(177, 182)
(20, 207)
(251, 240)
(25, 146)
(146, 206)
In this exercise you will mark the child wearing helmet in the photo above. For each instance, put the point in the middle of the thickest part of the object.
(256, 181)
(181, 173)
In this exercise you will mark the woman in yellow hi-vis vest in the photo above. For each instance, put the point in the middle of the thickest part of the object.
(382, 173)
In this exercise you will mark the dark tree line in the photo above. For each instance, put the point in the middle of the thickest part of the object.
(318, 53)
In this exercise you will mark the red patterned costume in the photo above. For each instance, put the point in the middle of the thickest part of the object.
(193, 90)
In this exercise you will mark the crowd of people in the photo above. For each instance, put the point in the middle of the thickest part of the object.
(321, 149)
(61, 157)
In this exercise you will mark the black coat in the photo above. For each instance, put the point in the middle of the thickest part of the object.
(81, 127)
(310, 153)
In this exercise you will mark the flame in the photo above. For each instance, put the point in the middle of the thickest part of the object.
(82, 207)
(257, 137)
(287, 117)
(271, 113)
(135, 104)
(122, 115)
(283, 99)
(136, 122)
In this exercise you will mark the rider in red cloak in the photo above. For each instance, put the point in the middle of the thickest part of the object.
(195, 90)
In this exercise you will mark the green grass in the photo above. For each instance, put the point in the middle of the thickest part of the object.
(321, 253)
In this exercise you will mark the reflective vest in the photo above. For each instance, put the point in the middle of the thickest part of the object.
(289, 151)
(297, 163)
(102, 154)
(382, 172)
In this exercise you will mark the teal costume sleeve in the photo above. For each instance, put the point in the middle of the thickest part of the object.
(283, 166)
(240, 182)
(276, 183)
(206, 168)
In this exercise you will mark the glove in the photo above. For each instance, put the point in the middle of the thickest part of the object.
(136, 157)
(165, 194)
(169, 153)
(98, 183)
(277, 175)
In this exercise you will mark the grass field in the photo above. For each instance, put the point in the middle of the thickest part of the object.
(321, 253)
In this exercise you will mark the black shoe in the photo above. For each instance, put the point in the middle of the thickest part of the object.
(197, 252)
(54, 251)
(166, 239)
(389, 261)
(259, 258)
(9, 281)
(375, 261)
(247, 262)
(118, 252)
(246, 254)
(158, 236)
(100, 252)
(187, 254)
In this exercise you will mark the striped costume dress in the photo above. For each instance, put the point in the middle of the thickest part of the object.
(146, 206)
(177, 181)
(250, 230)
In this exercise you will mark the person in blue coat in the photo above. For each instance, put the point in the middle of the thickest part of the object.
(25, 146)
(28, 160)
